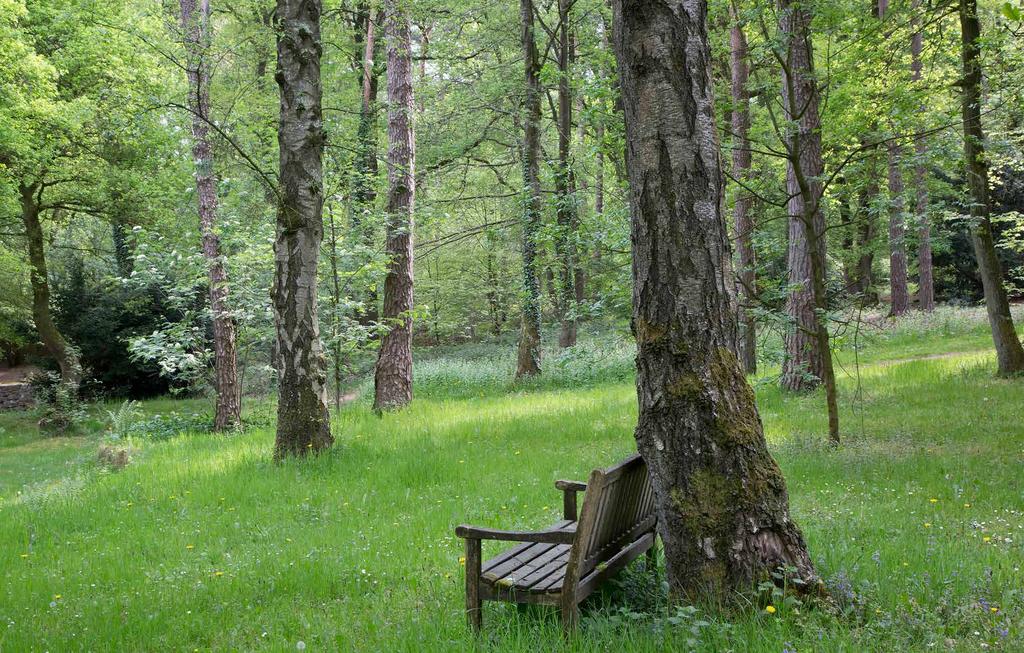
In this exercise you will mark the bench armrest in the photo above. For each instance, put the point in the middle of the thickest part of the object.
(569, 489)
(546, 536)
(574, 486)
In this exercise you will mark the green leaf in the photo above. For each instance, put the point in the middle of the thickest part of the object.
(1011, 12)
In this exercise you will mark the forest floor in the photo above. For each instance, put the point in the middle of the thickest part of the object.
(202, 543)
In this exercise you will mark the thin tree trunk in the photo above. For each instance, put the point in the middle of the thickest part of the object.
(364, 193)
(899, 295)
(393, 376)
(565, 244)
(866, 232)
(1009, 352)
(303, 423)
(744, 223)
(804, 174)
(925, 268)
(528, 358)
(335, 307)
(195, 26)
(722, 503)
(56, 346)
(803, 367)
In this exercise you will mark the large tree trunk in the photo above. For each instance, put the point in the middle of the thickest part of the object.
(925, 268)
(393, 376)
(364, 192)
(56, 346)
(1009, 352)
(303, 424)
(803, 367)
(723, 508)
(744, 223)
(528, 358)
(899, 295)
(195, 25)
(565, 244)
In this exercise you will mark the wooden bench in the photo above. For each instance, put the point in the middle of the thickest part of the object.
(563, 564)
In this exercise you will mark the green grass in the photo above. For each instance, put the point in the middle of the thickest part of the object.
(203, 543)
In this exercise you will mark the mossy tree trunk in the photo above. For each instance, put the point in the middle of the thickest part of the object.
(303, 425)
(722, 502)
(1009, 353)
(567, 216)
(528, 357)
(195, 26)
(393, 375)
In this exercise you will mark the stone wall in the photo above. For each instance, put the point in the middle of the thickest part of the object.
(15, 396)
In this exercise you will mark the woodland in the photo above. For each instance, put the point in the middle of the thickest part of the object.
(290, 289)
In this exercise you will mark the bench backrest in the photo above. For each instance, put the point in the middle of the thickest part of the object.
(617, 509)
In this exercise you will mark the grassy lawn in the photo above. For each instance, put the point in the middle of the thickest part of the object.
(202, 543)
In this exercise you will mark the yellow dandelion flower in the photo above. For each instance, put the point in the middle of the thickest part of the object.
(933, 500)
(967, 505)
(770, 609)
(24, 555)
(993, 609)
(190, 546)
(462, 560)
(218, 573)
(57, 597)
(986, 539)
(927, 524)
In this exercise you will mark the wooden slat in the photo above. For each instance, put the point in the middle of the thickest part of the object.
(538, 562)
(563, 525)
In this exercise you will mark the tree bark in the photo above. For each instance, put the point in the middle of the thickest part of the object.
(364, 193)
(925, 268)
(804, 367)
(807, 238)
(528, 358)
(56, 346)
(393, 375)
(744, 223)
(565, 245)
(1009, 353)
(195, 26)
(899, 295)
(722, 501)
(303, 424)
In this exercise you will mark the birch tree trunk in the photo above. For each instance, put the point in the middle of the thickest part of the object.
(393, 375)
(1009, 352)
(195, 26)
(744, 224)
(303, 424)
(528, 358)
(723, 508)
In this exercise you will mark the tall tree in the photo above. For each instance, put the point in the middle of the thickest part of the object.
(303, 424)
(195, 26)
(802, 368)
(393, 376)
(898, 290)
(566, 209)
(364, 190)
(743, 220)
(528, 358)
(1009, 353)
(925, 267)
(807, 344)
(722, 503)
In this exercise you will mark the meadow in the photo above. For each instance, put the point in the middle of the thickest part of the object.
(202, 543)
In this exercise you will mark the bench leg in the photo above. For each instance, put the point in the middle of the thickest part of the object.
(570, 615)
(474, 608)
